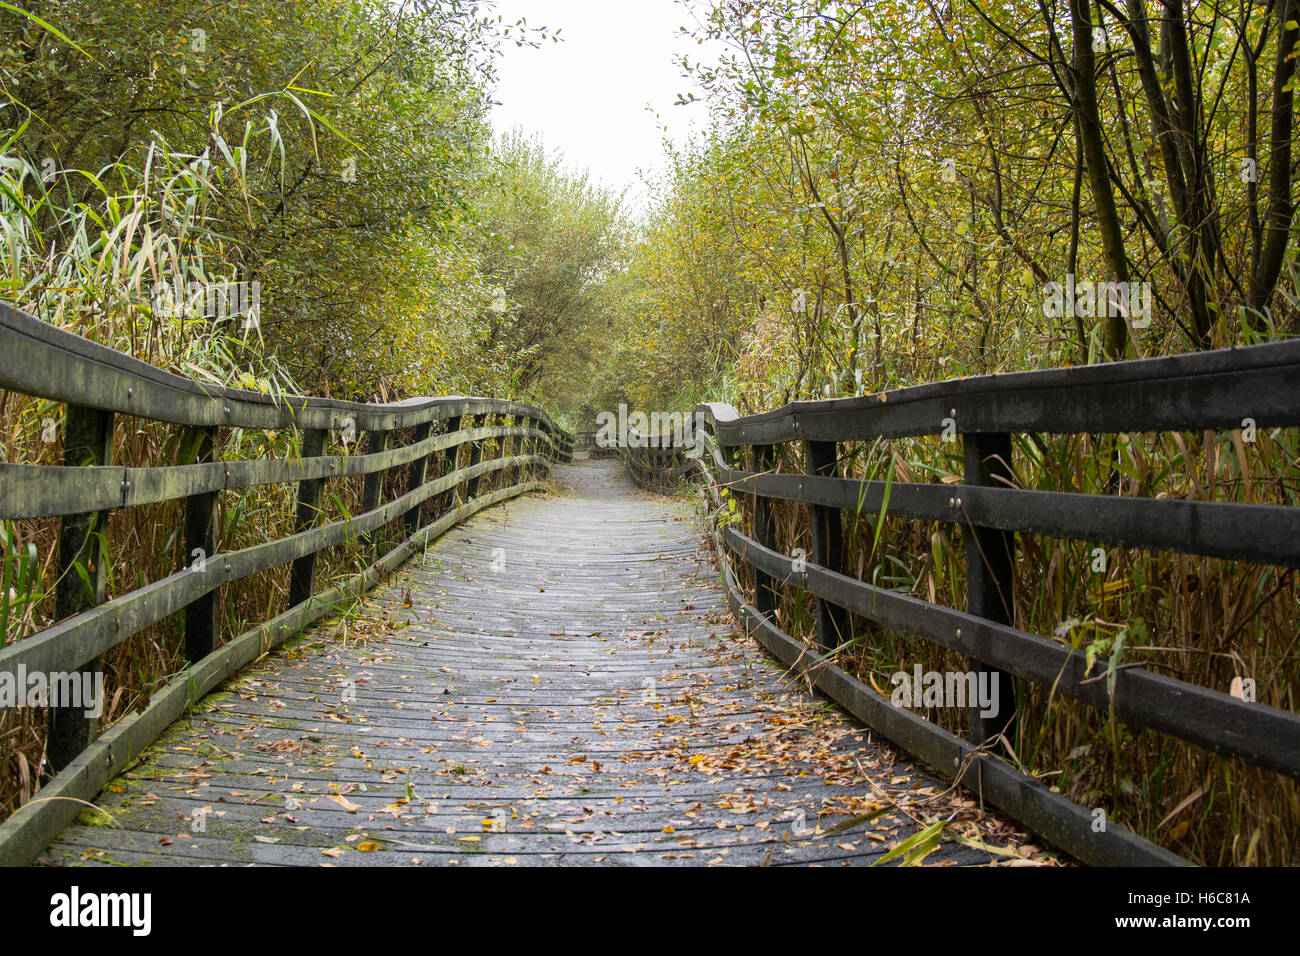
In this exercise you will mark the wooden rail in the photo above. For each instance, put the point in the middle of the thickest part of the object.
(589, 442)
(658, 468)
(1208, 390)
(96, 384)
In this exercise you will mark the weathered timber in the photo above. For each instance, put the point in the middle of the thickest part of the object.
(302, 573)
(519, 713)
(202, 615)
(990, 578)
(83, 571)
(34, 491)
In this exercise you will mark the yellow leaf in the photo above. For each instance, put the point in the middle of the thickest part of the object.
(345, 803)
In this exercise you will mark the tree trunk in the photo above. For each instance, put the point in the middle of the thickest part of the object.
(1115, 331)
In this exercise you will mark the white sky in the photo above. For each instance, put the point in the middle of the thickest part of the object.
(587, 95)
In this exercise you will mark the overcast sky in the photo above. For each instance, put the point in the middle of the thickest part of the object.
(588, 94)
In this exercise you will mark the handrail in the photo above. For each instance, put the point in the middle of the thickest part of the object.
(1214, 389)
(660, 469)
(1209, 390)
(589, 442)
(512, 440)
(48, 362)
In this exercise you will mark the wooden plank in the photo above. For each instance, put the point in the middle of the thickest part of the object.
(832, 623)
(1266, 736)
(450, 463)
(83, 573)
(526, 448)
(372, 488)
(565, 715)
(1202, 390)
(507, 450)
(1061, 821)
(33, 491)
(1065, 823)
(45, 361)
(27, 831)
(990, 579)
(202, 615)
(76, 640)
(416, 475)
(1262, 533)
(302, 573)
(475, 456)
(766, 596)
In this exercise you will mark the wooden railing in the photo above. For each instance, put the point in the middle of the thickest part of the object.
(497, 437)
(1210, 390)
(589, 442)
(659, 465)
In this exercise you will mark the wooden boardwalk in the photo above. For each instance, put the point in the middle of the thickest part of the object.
(559, 681)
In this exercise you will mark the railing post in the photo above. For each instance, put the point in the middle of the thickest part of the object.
(415, 477)
(87, 440)
(508, 449)
(302, 574)
(765, 594)
(450, 458)
(501, 448)
(202, 615)
(526, 448)
(475, 456)
(828, 543)
(990, 574)
(372, 489)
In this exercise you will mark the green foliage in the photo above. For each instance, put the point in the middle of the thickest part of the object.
(886, 190)
(20, 583)
(328, 151)
(549, 244)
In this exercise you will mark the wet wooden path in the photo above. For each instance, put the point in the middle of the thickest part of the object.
(559, 681)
